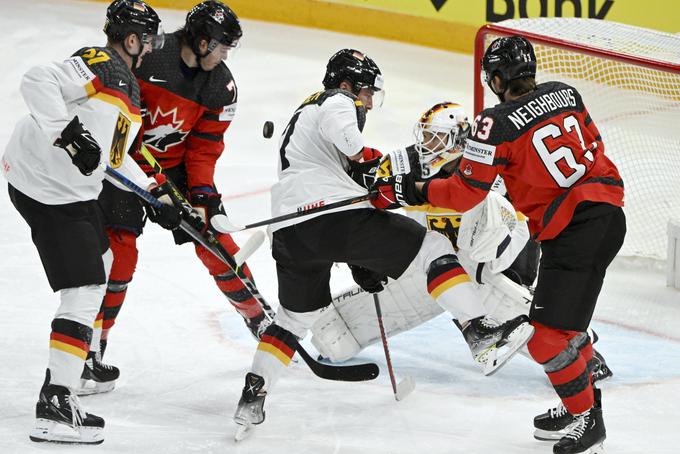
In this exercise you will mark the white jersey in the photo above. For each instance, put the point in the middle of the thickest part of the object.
(97, 86)
(313, 162)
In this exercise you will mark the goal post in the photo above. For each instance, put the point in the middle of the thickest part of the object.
(629, 78)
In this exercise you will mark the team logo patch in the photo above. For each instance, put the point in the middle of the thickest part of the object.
(218, 16)
(118, 145)
(467, 170)
(164, 130)
(447, 225)
(479, 152)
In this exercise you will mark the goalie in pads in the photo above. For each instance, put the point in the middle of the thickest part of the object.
(488, 239)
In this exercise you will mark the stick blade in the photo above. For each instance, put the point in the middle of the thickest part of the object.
(405, 387)
(222, 224)
(249, 247)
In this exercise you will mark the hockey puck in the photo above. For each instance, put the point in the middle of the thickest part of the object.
(268, 129)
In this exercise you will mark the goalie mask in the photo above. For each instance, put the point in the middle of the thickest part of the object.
(440, 137)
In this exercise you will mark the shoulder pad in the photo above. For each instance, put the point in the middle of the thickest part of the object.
(320, 97)
(113, 73)
(221, 90)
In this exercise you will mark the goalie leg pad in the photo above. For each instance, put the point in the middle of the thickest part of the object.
(350, 323)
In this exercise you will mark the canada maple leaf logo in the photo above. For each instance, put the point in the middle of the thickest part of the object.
(165, 130)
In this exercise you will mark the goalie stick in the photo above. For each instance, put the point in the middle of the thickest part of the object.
(408, 384)
(359, 372)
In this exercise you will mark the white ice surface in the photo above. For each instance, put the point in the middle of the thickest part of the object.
(183, 351)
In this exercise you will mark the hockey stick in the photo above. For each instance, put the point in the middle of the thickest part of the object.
(408, 384)
(224, 225)
(220, 219)
(359, 372)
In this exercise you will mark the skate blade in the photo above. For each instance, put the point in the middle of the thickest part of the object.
(405, 387)
(597, 449)
(89, 387)
(499, 356)
(547, 435)
(243, 431)
(46, 430)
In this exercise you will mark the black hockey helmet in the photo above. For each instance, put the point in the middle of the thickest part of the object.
(124, 17)
(509, 58)
(355, 67)
(215, 22)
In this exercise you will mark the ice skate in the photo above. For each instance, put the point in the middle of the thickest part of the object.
(557, 422)
(553, 424)
(97, 376)
(492, 345)
(586, 434)
(60, 418)
(250, 411)
(598, 367)
(258, 324)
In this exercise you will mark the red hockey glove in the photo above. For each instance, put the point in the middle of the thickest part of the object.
(368, 154)
(207, 202)
(396, 191)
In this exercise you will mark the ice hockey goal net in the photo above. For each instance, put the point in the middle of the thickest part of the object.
(629, 78)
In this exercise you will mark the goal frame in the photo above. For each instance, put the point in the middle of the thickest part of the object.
(499, 30)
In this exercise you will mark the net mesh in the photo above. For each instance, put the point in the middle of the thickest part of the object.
(635, 106)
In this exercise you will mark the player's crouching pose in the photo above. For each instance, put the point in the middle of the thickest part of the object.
(81, 108)
(190, 99)
(322, 137)
(544, 143)
(349, 324)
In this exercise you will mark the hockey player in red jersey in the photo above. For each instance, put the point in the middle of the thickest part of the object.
(545, 145)
(84, 114)
(190, 99)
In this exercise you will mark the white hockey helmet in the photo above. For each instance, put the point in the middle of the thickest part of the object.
(440, 136)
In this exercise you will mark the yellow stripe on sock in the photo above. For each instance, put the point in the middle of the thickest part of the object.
(444, 286)
(64, 347)
(269, 348)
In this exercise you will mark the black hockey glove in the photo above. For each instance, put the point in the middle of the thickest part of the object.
(81, 147)
(368, 280)
(169, 215)
(396, 191)
(207, 202)
(363, 173)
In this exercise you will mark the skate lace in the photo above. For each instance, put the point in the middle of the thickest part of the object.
(558, 411)
(97, 361)
(579, 428)
(77, 413)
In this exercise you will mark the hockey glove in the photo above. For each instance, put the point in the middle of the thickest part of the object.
(396, 191)
(368, 280)
(169, 215)
(81, 147)
(369, 154)
(207, 202)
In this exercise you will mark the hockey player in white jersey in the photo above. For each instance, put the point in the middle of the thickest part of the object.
(321, 139)
(84, 115)
(349, 324)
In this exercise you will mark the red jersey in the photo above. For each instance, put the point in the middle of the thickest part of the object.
(549, 153)
(187, 112)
